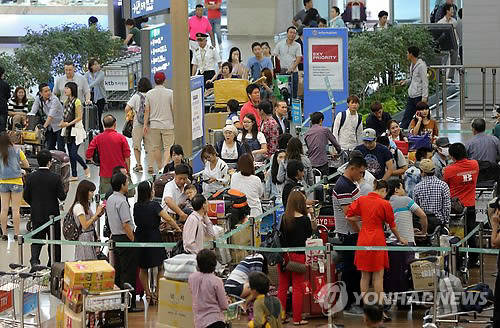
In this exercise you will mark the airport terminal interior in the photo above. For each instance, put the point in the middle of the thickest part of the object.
(460, 50)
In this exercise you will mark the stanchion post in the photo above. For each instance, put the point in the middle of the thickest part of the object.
(20, 244)
(453, 259)
(111, 251)
(437, 269)
(52, 235)
(444, 95)
(494, 83)
(483, 72)
(329, 278)
(481, 266)
(97, 201)
(252, 227)
(461, 72)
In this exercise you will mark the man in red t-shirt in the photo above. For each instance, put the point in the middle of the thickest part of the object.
(253, 93)
(461, 177)
(214, 17)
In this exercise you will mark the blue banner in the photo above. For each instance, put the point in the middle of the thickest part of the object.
(296, 112)
(139, 8)
(326, 76)
(160, 54)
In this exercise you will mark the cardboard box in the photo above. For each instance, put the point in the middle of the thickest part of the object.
(73, 298)
(74, 320)
(215, 121)
(423, 273)
(175, 306)
(93, 275)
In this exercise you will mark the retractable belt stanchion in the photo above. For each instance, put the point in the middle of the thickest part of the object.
(481, 258)
(329, 279)
(111, 248)
(52, 236)
(20, 242)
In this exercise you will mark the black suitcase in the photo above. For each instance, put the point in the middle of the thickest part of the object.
(57, 279)
(95, 157)
(90, 117)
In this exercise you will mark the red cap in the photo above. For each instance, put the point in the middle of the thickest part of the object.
(159, 77)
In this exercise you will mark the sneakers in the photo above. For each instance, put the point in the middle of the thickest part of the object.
(354, 310)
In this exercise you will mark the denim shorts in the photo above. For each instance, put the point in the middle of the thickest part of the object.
(7, 187)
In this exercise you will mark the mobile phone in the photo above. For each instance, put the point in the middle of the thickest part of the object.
(104, 203)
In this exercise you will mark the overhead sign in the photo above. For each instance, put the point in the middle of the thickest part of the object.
(160, 50)
(139, 8)
(325, 70)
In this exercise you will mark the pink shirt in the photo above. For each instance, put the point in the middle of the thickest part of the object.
(209, 298)
(198, 25)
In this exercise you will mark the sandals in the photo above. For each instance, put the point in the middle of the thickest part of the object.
(87, 173)
(152, 299)
(5, 237)
(151, 170)
(301, 323)
(138, 168)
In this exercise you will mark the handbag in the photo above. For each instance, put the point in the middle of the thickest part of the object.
(294, 266)
(127, 129)
(420, 141)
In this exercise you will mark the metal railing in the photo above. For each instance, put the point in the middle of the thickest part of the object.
(462, 70)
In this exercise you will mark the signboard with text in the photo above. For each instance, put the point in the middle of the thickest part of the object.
(160, 51)
(325, 70)
(197, 119)
(140, 8)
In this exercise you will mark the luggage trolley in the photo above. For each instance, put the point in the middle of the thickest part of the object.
(117, 300)
(29, 285)
(233, 310)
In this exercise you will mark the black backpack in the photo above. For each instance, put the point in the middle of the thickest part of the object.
(71, 231)
(343, 116)
(477, 298)
(274, 239)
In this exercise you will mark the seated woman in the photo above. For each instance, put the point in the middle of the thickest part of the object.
(225, 73)
(177, 156)
(252, 140)
(423, 124)
(215, 175)
(229, 149)
(18, 108)
(237, 282)
(248, 183)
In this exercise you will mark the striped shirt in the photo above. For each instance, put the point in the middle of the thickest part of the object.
(403, 207)
(344, 193)
(240, 274)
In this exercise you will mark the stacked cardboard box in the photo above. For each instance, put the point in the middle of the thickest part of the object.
(95, 276)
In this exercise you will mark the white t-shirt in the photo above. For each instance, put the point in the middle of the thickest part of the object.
(79, 210)
(135, 103)
(350, 134)
(219, 173)
(287, 53)
(171, 190)
(229, 153)
(261, 138)
(252, 187)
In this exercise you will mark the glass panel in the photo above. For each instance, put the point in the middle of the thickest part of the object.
(407, 11)
(192, 6)
(373, 7)
(35, 3)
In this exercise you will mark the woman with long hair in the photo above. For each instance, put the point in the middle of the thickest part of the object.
(215, 175)
(148, 216)
(11, 183)
(274, 188)
(373, 211)
(295, 150)
(18, 108)
(394, 132)
(135, 105)
(422, 122)
(253, 141)
(266, 52)
(266, 87)
(73, 129)
(229, 149)
(95, 78)
(238, 67)
(85, 218)
(296, 227)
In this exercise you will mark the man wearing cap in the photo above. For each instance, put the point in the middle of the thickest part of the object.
(378, 158)
(199, 24)
(205, 58)
(158, 122)
(432, 194)
(441, 156)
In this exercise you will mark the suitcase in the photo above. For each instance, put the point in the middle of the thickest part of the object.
(314, 291)
(90, 117)
(91, 135)
(57, 279)
(160, 183)
(398, 277)
(61, 166)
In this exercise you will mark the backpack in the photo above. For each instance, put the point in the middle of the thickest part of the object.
(343, 117)
(273, 240)
(434, 14)
(142, 106)
(159, 183)
(71, 231)
(478, 297)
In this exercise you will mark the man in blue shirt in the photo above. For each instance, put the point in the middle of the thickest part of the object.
(50, 110)
(378, 157)
(257, 63)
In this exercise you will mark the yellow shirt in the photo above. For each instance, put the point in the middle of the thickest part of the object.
(16, 181)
